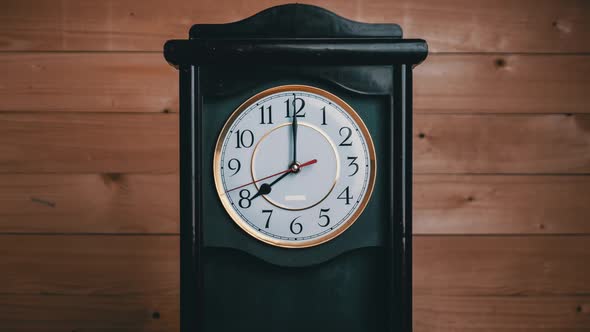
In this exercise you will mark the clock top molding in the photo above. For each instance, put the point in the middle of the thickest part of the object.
(295, 21)
(296, 34)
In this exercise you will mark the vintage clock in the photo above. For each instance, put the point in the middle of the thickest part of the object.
(295, 173)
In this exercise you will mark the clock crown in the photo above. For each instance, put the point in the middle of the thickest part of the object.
(295, 21)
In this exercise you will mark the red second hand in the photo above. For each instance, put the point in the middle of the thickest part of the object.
(311, 162)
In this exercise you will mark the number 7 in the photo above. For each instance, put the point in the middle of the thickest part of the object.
(268, 219)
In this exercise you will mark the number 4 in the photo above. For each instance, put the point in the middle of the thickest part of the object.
(345, 194)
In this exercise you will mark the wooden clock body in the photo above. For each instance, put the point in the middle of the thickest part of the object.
(360, 280)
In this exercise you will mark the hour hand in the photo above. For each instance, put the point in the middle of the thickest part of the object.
(265, 189)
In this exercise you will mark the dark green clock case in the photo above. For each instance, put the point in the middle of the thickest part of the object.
(359, 281)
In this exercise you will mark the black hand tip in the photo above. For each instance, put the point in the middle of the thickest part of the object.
(265, 189)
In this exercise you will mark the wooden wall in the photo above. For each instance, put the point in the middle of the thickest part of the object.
(89, 161)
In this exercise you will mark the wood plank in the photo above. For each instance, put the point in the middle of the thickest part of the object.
(49, 313)
(502, 84)
(148, 265)
(134, 143)
(449, 26)
(89, 203)
(501, 265)
(88, 143)
(146, 203)
(509, 144)
(137, 82)
(501, 204)
(491, 313)
(105, 82)
(89, 265)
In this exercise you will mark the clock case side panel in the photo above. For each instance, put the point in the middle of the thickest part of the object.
(400, 184)
(191, 274)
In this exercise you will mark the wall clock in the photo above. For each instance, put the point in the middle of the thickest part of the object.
(295, 173)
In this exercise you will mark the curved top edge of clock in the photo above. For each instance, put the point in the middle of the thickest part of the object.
(295, 20)
(363, 51)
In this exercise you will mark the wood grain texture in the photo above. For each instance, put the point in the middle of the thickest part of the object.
(488, 266)
(106, 265)
(89, 265)
(502, 84)
(431, 313)
(509, 144)
(449, 26)
(506, 314)
(501, 204)
(89, 203)
(137, 82)
(54, 313)
(140, 143)
(148, 203)
(105, 82)
(88, 143)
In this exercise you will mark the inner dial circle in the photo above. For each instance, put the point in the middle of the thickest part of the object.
(310, 185)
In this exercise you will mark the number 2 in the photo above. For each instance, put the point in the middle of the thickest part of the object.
(348, 133)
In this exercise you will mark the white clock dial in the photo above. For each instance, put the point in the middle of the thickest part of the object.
(294, 166)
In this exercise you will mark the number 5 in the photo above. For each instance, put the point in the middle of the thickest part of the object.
(324, 216)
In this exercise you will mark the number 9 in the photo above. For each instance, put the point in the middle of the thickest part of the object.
(232, 166)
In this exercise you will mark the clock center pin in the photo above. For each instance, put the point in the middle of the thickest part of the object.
(295, 168)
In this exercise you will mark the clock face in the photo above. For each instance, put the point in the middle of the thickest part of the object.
(294, 166)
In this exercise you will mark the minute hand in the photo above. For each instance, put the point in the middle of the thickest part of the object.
(294, 131)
